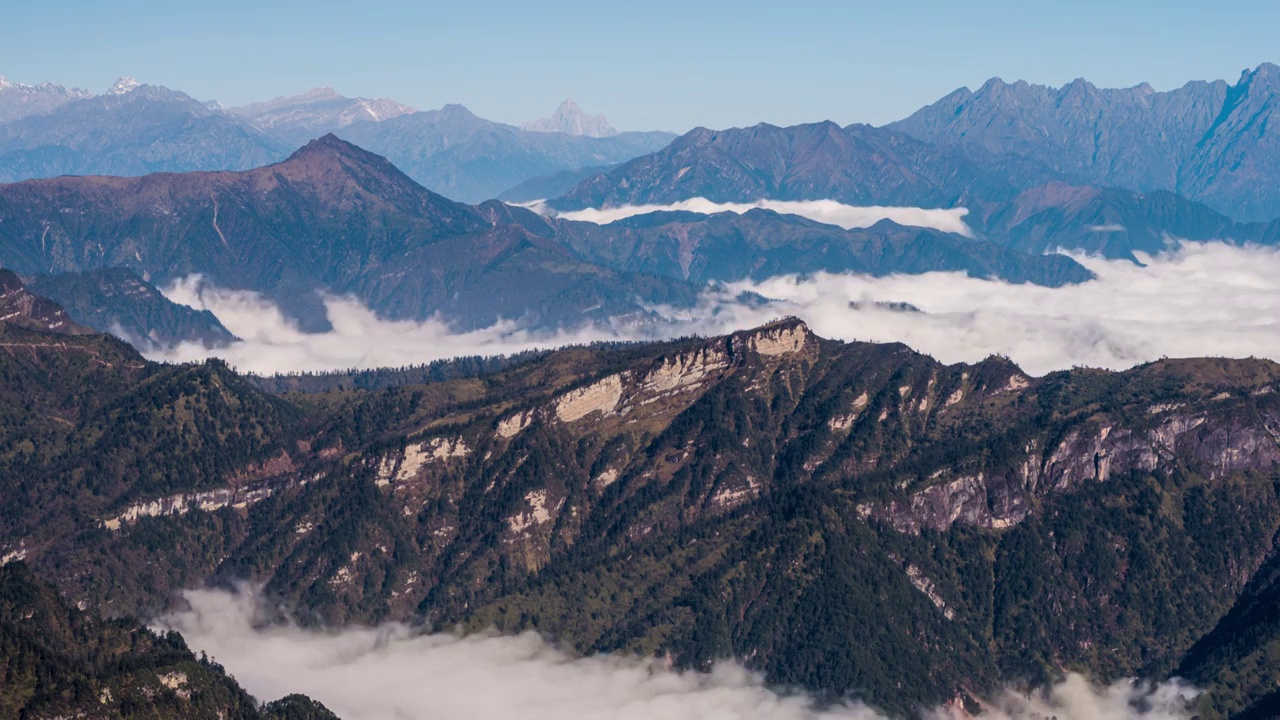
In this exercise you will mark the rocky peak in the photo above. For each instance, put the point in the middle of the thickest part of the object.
(571, 120)
(123, 85)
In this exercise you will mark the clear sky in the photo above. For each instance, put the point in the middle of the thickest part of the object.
(659, 64)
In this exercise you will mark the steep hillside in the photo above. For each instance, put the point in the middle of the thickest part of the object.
(851, 518)
(116, 301)
(60, 662)
(19, 307)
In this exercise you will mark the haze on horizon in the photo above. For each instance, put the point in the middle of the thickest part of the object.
(670, 66)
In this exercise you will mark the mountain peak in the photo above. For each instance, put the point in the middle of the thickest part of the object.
(327, 143)
(4, 83)
(571, 120)
(319, 93)
(1264, 73)
(122, 86)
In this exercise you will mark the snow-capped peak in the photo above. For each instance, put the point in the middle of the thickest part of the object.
(4, 83)
(122, 86)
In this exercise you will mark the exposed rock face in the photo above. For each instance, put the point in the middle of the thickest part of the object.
(1096, 452)
(207, 501)
(781, 341)
(601, 397)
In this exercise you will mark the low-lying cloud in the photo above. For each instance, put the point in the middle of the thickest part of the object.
(393, 673)
(1202, 299)
(830, 212)
(272, 343)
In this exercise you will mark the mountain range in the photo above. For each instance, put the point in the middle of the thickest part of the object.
(336, 219)
(298, 119)
(849, 518)
(1211, 141)
(133, 129)
(860, 165)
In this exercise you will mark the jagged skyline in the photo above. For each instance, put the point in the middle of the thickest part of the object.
(874, 63)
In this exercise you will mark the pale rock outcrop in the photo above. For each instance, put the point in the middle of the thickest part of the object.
(416, 456)
(685, 370)
(511, 426)
(207, 501)
(606, 478)
(539, 512)
(925, 585)
(1095, 451)
(601, 396)
(779, 340)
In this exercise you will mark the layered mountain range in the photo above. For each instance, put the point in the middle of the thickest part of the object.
(848, 518)
(861, 165)
(133, 129)
(334, 219)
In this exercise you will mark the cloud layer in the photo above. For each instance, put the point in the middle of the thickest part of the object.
(272, 343)
(823, 211)
(391, 673)
(1203, 299)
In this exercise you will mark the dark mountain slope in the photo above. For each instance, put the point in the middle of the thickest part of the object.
(852, 518)
(116, 301)
(21, 308)
(61, 662)
(760, 244)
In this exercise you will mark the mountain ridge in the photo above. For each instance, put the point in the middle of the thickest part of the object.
(1206, 140)
(563, 494)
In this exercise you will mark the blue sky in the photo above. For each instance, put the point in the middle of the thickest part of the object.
(651, 65)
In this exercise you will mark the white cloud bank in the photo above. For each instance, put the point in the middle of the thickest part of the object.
(823, 211)
(390, 673)
(272, 343)
(1203, 299)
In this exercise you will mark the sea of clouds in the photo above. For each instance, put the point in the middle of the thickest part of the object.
(1196, 300)
(823, 211)
(392, 673)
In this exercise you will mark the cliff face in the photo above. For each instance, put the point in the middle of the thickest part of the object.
(839, 516)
